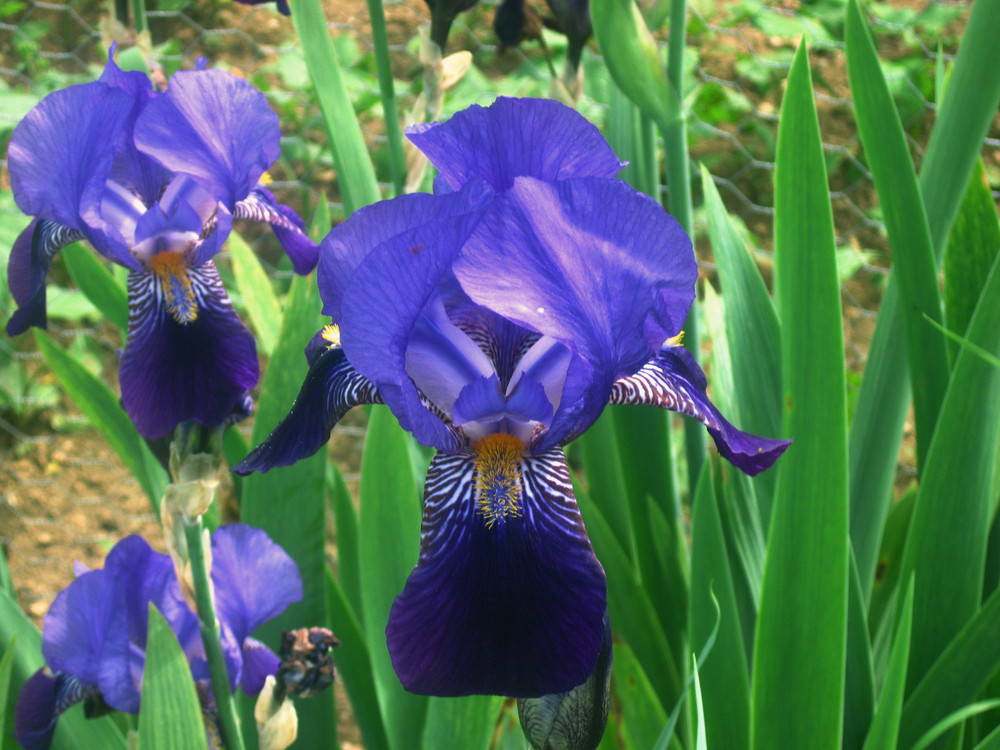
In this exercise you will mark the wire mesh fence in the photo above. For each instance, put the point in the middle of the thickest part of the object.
(64, 495)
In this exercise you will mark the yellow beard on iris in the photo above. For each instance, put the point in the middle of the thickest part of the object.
(498, 477)
(171, 271)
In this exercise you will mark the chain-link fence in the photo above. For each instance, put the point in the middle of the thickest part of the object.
(64, 495)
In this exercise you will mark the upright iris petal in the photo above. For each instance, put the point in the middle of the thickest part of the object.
(153, 180)
(497, 319)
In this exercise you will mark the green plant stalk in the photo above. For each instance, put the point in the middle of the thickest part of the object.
(140, 21)
(355, 174)
(679, 205)
(387, 90)
(208, 624)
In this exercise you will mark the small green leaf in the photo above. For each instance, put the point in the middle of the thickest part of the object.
(258, 296)
(170, 717)
(97, 284)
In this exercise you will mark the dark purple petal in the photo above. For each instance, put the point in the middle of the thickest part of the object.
(86, 635)
(171, 372)
(260, 205)
(590, 262)
(538, 138)
(402, 274)
(35, 712)
(61, 153)
(331, 389)
(254, 578)
(213, 126)
(350, 241)
(28, 267)
(672, 380)
(258, 662)
(515, 609)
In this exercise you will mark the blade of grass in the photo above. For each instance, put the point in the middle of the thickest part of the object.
(389, 545)
(798, 674)
(101, 407)
(957, 677)
(258, 296)
(946, 546)
(726, 689)
(884, 729)
(170, 715)
(753, 335)
(97, 284)
(6, 675)
(953, 719)
(289, 503)
(885, 146)
(387, 91)
(962, 122)
(859, 677)
(462, 722)
(642, 716)
(972, 246)
(355, 175)
(632, 613)
(354, 666)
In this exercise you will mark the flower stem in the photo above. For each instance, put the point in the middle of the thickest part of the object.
(383, 65)
(229, 725)
(679, 205)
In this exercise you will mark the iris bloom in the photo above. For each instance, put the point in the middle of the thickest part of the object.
(153, 181)
(94, 639)
(496, 319)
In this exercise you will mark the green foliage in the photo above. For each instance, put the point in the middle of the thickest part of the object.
(170, 717)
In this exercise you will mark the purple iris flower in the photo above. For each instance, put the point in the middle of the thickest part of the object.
(497, 318)
(94, 639)
(153, 180)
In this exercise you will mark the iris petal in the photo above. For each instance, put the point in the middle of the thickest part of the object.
(60, 156)
(61, 152)
(261, 205)
(538, 138)
(516, 609)
(403, 274)
(227, 148)
(331, 389)
(672, 380)
(28, 267)
(42, 698)
(171, 372)
(589, 262)
(348, 243)
(258, 662)
(254, 578)
(86, 635)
